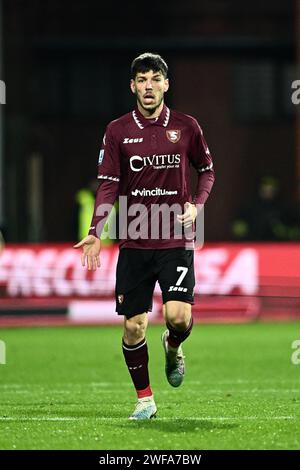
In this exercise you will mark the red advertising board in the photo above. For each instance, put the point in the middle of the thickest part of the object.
(232, 280)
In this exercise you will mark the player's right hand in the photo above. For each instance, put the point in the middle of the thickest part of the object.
(91, 247)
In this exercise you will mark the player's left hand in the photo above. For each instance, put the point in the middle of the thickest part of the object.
(189, 216)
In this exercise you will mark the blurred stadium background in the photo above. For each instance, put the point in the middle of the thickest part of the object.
(66, 69)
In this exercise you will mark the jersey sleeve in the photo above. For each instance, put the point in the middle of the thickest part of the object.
(199, 154)
(201, 160)
(109, 156)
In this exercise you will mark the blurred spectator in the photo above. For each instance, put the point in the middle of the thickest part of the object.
(264, 218)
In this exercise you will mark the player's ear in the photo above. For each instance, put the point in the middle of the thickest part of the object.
(167, 84)
(132, 86)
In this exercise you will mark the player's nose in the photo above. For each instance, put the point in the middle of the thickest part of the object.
(149, 85)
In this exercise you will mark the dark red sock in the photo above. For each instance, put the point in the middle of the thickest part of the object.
(136, 358)
(177, 337)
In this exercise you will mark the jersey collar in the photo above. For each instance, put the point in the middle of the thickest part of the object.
(142, 122)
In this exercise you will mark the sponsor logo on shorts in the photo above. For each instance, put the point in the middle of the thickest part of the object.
(177, 288)
(120, 298)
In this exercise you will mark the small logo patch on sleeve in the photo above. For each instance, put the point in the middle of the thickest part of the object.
(101, 155)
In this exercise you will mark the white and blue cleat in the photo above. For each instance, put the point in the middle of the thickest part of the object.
(175, 367)
(145, 409)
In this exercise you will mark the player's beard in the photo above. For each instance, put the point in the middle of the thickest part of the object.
(150, 110)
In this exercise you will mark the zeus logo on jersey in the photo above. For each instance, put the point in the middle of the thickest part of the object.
(158, 162)
(153, 192)
(127, 140)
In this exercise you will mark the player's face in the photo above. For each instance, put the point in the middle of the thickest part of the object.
(149, 88)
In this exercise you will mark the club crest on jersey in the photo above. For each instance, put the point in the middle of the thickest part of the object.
(174, 135)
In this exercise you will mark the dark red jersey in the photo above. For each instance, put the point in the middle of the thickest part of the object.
(149, 162)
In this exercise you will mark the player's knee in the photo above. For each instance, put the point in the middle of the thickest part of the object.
(135, 329)
(178, 314)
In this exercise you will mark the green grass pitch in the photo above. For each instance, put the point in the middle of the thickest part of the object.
(68, 388)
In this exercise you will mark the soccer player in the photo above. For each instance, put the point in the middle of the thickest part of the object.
(146, 156)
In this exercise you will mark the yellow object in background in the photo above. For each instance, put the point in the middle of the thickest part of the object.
(86, 200)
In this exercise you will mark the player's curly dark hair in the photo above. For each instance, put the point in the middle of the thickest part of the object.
(148, 61)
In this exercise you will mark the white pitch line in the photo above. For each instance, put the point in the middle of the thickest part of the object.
(162, 392)
(70, 385)
(187, 418)
(237, 391)
(128, 384)
(240, 382)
